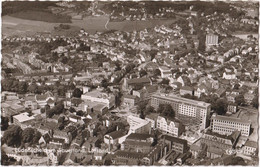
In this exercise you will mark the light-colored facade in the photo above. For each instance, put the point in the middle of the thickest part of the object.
(250, 148)
(188, 111)
(211, 39)
(170, 127)
(226, 125)
(138, 125)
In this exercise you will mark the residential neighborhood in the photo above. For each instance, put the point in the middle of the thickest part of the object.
(181, 93)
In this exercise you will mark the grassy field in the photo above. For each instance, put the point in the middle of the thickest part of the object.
(17, 26)
(41, 16)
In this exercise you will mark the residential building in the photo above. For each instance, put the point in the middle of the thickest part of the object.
(127, 158)
(202, 89)
(165, 72)
(44, 99)
(214, 152)
(232, 108)
(168, 126)
(112, 138)
(130, 100)
(61, 135)
(250, 147)
(155, 154)
(137, 142)
(224, 142)
(186, 90)
(176, 144)
(211, 39)
(152, 117)
(188, 111)
(227, 125)
(138, 82)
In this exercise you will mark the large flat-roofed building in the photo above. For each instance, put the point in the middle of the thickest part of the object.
(100, 97)
(188, 111)
(227, 125)
(138, 125)
(23, 117)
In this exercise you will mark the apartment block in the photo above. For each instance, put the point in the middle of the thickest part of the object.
(188, 111)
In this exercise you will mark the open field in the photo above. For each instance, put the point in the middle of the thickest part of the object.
(41, 16)
(16, 26)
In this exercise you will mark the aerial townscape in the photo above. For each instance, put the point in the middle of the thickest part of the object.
(151, 83)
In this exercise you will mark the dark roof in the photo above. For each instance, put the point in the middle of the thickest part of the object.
(57, 140)
(132, 155)
(174, 139)
(139, 81)
(116, 134)
(231, 137)
(251, 144)
(138, 136)
(151, 88)
(187, 88)
(215, 150)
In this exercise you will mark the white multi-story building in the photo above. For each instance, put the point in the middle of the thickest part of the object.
(211, 39)
(99, 97)
(165, 72)
(250, 147)
(188, 111)
(169, 126)
(138, 125)
(226, 125)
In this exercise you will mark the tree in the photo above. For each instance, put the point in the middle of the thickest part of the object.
(33, 88)
(36, 137)
(166, 110)
(77, 93)
(72, 110)
(255, 102)
(220, 106)
(4, 123)
(4, 158)
(165, 81)
(240, 100)
(61, 119)
(13, 136)
(104, 83)
(157, 73)
(142, 73)
(149, 109)
(141, 107)
(80, 113)
(236, 86)
(27, 135)
(23, 87)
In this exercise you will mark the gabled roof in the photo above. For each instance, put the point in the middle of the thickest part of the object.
(138, 136)
(174, 139)
(251, 144)
(139, 80)
(188, 88)
(116, 134)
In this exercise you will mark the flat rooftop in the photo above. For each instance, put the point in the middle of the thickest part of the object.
(226, 118)
(182, 100)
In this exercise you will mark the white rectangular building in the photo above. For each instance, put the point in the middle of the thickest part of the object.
(226, 125)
